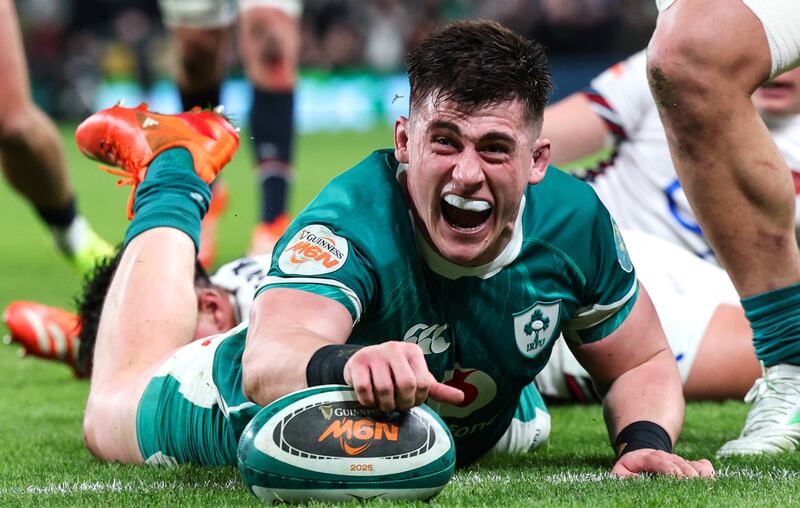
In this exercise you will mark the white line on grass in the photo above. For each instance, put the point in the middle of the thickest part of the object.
(68, 488)
(726, 472)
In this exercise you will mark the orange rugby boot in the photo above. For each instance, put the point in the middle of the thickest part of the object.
(208, 228)
(130, 138)
(44, 332)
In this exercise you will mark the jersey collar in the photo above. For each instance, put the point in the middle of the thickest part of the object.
(450, 270)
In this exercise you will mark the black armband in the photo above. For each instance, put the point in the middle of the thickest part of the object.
(640, 435)
(326, 366)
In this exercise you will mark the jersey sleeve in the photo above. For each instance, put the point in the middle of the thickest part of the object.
(611, 288)
(320, 259)
(621, 95)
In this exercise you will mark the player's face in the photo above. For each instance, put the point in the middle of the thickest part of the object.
(781, 96)
(466, 174)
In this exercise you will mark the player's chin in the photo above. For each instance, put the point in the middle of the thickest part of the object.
(464, 247)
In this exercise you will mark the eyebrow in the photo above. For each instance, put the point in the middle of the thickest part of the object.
(489, 136)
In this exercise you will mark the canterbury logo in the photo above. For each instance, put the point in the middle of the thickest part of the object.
(346, 430)
(149, 122)
(430, 339)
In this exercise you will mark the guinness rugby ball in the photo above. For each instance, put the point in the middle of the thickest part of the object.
(321, 444)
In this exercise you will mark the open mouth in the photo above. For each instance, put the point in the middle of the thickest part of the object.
(465, 214)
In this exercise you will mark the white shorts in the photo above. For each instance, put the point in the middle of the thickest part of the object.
(686, 292)
(781, 22)
(218, 13)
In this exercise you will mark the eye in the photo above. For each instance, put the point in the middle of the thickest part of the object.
(497, 148)
(442, 140)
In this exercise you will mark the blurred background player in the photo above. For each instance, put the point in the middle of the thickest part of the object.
(31, 155)
(269, 45)
(738, 184)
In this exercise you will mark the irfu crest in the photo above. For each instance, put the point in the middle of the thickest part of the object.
(535, 326)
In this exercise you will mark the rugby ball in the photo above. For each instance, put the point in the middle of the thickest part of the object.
(321, 444)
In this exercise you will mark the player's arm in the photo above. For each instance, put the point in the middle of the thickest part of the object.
(297, 339)
(635, 366)
(574, 129)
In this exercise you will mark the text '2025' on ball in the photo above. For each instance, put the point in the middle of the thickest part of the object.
(321, 444)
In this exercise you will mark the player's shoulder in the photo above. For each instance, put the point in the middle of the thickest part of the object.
(368, 190)
(562, 211)
(364, 206)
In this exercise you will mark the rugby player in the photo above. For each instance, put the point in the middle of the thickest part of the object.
(31, 156)
(460, 231)
(697, 304)
(705, 60)
(269, 46)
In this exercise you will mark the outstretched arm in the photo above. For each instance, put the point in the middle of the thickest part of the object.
(636, 367)
(574, 129)
(288, 327)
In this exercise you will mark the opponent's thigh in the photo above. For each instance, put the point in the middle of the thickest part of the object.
(269, 42)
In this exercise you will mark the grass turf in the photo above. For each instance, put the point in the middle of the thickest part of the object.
(43, 461)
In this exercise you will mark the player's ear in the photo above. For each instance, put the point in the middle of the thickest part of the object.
(401, 139)
(539, 161)
(212, 310)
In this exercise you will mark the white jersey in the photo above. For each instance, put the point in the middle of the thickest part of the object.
(241, 278)
(639, 185)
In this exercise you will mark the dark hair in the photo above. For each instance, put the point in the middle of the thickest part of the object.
(90, 304)
(478, 63)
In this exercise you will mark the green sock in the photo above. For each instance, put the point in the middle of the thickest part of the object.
(171, 195)
(775, 319)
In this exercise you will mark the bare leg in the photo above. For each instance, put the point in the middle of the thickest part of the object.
(150, 311)
(725, 366)
(737, 183)
(30, 146)
(739, 187)
(201, 62)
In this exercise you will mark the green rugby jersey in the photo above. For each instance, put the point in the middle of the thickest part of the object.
(487, 330)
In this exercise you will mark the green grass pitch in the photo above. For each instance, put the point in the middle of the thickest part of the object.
(43, 462)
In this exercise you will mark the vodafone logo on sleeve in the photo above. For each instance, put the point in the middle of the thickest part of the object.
(314, 250)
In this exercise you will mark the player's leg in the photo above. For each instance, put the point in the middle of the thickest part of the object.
(150, 310)
(201, 31)
(31, 155)
(739, 186)
(270, 45)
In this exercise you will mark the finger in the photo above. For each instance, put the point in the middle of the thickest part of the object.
(383, 385)
(704, 467)
(405, 383)
(621, 471)
(361, 381)
(447, 394)
(424, 378)
(687, 469)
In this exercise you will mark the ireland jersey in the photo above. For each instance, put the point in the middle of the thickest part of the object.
(487, 330)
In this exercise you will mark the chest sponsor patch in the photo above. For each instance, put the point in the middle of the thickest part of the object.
(535, 326)
(479, 389)
(314, 250)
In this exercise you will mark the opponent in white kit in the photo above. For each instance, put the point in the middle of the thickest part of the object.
(705, 60)
(695, 300)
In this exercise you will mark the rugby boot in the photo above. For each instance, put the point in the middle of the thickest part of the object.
(45, 332)
(267, 234)
(130, 138)
(208, 228)
(773, 423)
(81, 245)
